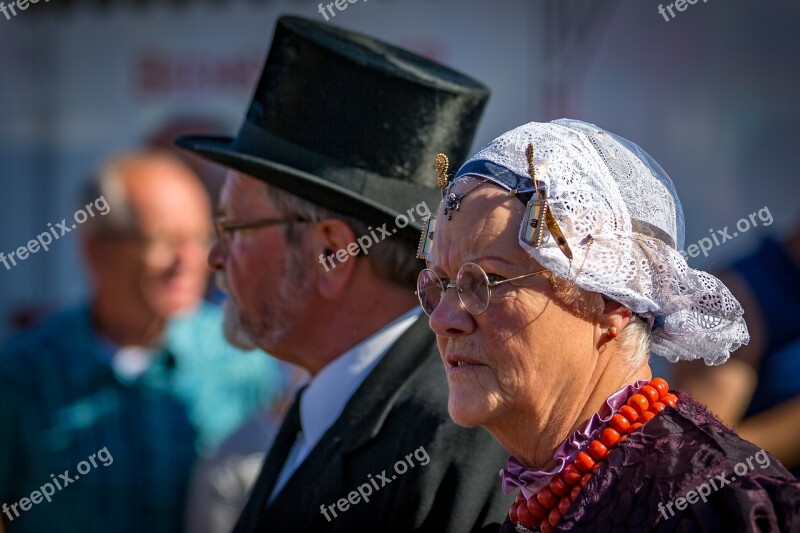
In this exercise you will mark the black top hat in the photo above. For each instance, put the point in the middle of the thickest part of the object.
(350, 123)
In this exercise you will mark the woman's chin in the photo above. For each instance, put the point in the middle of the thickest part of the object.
(466, 411)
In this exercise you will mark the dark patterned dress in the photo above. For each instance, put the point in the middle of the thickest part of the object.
(681, 451)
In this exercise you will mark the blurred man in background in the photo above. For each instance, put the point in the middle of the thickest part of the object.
(121, 394)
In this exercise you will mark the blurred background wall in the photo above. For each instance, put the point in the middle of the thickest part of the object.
(712, 95)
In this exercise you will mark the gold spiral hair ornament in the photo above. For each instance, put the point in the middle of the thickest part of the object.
(441, 164)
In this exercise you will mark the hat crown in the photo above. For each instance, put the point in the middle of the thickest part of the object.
(350, 123)
(362, 102)
(582, 161)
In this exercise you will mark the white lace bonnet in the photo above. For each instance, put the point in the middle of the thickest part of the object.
(600, 185)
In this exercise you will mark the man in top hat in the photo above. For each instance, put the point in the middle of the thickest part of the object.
(318, 220)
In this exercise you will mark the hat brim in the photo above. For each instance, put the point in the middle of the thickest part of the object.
(305, 185)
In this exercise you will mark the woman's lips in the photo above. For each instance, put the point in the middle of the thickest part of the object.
(455, 362)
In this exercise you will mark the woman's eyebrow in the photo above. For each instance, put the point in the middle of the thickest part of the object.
(489, 258)
(436, 268)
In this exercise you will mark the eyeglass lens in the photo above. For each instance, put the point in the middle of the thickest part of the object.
(472, 286)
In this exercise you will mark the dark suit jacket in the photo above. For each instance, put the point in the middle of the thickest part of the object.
(400, 408)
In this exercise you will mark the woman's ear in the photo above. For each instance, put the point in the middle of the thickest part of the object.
(614, 317)
(333, 243)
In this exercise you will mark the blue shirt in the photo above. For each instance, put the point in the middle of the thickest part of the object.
(62, 403)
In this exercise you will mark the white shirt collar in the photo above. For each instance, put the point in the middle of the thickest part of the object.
(331, 389)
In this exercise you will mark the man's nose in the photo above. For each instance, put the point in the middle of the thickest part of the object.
(216, 257)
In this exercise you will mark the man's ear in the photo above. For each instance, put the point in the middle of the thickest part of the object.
(334, 245)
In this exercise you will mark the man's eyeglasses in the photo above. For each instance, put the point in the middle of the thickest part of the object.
(225, 227)
(472, 285)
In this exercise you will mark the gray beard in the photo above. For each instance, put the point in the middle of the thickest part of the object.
(272, 323)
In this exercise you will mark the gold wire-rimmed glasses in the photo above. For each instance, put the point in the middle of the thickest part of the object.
(224, 227)
(472, 284)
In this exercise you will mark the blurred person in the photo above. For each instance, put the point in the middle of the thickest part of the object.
(758, 390)
(335, 148)
(221, 481)
(138, 371)
(560, 243)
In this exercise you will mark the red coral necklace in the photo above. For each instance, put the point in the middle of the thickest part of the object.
(545, 508)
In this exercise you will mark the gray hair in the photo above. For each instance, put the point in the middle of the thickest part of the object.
(635, 341)
(393, 260)
(107, 182)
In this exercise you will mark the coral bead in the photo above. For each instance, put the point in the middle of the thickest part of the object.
(536, 508)
(647, 416)
(563, 505)
(575, 492)
(620, 423)
(546, 498)
(669, 399)
(558, 487)
(629, 412)
(554, 517)
(635, 426)
(650, 393)
(660, 385)
(609, 437)
(584, 462)
(520, 497)
(546, 527)
(597, 449)
(512, 514)
(571, 475)
(524, 515)
(585, 479)
(639, 402)
(657, 407)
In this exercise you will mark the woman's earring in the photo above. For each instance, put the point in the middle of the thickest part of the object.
(612, 332)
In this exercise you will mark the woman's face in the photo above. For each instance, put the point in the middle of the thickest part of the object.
(526, 360)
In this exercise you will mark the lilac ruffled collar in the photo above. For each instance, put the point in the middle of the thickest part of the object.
(531, 481)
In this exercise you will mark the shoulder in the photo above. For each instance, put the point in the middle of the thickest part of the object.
(724, 480)
(43, 345)
(686, 467)
(696, 430)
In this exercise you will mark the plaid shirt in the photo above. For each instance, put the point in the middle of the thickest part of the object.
(61, 401)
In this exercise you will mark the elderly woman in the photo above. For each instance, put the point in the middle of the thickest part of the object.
(560, 240)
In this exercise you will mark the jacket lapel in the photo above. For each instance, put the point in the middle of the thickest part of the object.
(317, 479)
(273, 464)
